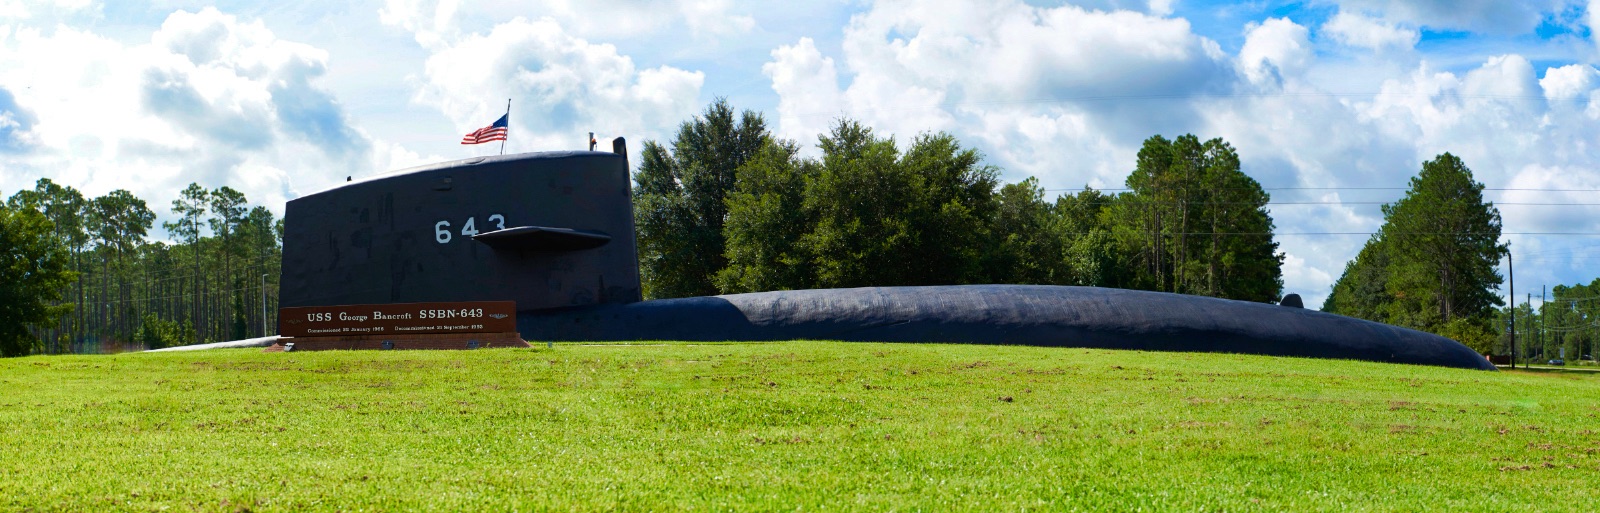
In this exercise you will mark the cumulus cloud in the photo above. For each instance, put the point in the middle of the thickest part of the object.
(15, 124)
(1567, 82)
(807, 84)
(1274, 48)
(1018, 71)
(1012, 49)
(1591, 16)
(566, 86)
(210, 99)
(1161, 7)
(1364, 32)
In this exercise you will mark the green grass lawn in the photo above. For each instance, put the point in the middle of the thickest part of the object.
(787, 426)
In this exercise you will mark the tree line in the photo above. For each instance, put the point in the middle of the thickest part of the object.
(1565, 325)
(98, 282)
(727, 207)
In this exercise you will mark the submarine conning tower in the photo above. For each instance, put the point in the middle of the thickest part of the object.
(547, 230)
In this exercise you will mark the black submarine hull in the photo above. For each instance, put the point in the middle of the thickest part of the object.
(554, 232)
(1031, 315)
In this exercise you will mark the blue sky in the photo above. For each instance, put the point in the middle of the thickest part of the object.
(1332, 104)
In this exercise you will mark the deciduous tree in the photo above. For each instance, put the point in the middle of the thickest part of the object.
(1028, 246)
(66, 209)
(863, 215)
(33, 272)
(766, 220)
(679, 206)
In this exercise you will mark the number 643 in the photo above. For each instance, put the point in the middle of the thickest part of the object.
(441, 229)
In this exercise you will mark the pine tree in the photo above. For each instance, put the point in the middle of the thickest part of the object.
(1196, 224)
(1435, 259)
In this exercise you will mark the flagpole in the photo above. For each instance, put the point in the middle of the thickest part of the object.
(508, 127)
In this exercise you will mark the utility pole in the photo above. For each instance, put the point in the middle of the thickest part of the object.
(1511, 298)
(1542, 319)
(263, 304)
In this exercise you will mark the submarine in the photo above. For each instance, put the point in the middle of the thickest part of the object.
(553, 232)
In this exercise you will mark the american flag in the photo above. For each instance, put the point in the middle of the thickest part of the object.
(494, 132)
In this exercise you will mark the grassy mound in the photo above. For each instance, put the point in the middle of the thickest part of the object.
(805, 425)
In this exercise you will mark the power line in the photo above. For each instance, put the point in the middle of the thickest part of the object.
(1560, 250)
(1573, 257)
(1570, 329)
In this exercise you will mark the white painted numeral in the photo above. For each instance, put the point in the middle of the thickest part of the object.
(441, 231)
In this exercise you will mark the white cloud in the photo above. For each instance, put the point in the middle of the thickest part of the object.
(1298, 270)
(1573, 92)
(1364, 32)
(956, 65)
(1037, 142)
(16, 125)
(807, 85)
(1591, 17)
(1568, 83)
(210, 99)
(1161, 7)
(1273, 50)
(1010, 49)
(1493, 117)
(1550, 259)
(564, 86)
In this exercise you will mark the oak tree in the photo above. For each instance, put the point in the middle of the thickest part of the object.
(33, 273)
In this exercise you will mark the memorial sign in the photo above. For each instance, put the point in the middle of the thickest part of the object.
(389, 320)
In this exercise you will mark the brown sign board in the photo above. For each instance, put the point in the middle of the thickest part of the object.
(398, 319)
